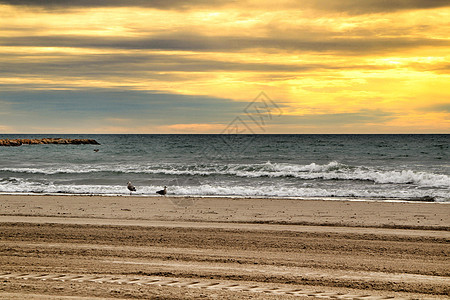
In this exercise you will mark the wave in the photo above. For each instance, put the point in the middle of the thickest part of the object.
(331, 171)
(19, 185)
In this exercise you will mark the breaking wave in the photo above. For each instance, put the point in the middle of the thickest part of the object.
(17, 185)
(331, 171)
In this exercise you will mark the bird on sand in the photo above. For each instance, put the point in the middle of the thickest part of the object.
(131, 187)
(163, 192)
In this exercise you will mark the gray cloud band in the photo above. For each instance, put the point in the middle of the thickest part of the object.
(348, 6)
(363, 45)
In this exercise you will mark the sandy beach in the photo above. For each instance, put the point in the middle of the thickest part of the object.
(127, 247)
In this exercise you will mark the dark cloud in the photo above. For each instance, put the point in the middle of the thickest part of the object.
(158, 4)
(101, 103)
(340, 6)
(153, 107)
(439, 68)
(145, 66)
(192, 42)
(138, 65)
(360, 117)
(371, 6)
(444, 107)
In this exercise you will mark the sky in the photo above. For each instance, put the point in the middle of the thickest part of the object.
(214, 66)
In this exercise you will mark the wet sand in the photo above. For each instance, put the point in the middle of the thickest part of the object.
(221, 248)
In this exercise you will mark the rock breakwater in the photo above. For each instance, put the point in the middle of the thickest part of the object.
(60, 141)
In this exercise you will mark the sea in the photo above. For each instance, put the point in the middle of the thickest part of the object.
(409, 167)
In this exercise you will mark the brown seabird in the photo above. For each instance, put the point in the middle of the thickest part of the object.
(131, 187)
(163, 192)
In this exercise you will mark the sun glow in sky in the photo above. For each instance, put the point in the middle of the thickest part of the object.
(174, 66)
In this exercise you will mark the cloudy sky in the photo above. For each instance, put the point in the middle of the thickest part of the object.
(172, 66)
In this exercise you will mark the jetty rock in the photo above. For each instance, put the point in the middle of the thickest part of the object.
(20, 142)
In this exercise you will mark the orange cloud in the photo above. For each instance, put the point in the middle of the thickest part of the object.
(192, 128)
(321, 58)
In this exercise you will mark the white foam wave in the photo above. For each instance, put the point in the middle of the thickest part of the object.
(287, 192)
(18, 185)
(330, 171)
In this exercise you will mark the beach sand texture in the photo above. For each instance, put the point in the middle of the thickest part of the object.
(92, 247)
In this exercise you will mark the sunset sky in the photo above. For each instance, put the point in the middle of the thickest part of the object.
(171, 66)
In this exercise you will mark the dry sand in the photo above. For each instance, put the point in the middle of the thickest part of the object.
(91, 247)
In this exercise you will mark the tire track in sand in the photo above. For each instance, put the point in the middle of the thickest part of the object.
(186, 283)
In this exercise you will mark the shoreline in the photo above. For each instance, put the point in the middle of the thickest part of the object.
(247, 210)
(318, 198)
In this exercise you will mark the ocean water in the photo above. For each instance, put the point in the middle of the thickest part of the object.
(385, 167)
